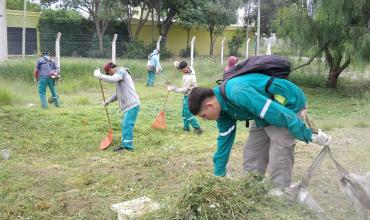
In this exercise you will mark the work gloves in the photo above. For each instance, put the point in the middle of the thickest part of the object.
(321, 138)
(176, 64)
(97, 73)
(171, 88)
(106, 103)
(158, 70)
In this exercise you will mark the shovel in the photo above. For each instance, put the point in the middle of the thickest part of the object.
(106, 141)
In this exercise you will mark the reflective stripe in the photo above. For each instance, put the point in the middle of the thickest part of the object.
(264, 110)
(190, 118)
(228, 131)
(127, 140)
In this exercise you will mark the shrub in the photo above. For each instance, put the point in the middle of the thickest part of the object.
(135, 49)
(185, 52)
(235, 43)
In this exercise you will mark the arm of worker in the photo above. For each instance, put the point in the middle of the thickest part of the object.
(227, 130)
(189, 81)
(111, 99)
(36, 74)
(272, 112)
(118, 76)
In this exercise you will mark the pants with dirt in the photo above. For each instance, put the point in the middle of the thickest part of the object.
(47, 82)
(187, 117)
(270, 146)
(151, 78)
(128, 123)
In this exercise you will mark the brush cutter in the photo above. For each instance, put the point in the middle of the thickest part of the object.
(106, 141)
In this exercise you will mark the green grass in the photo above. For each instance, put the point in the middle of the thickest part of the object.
(55, 169)
(5, 97)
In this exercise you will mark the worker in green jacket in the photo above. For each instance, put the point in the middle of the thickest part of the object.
(275, 124)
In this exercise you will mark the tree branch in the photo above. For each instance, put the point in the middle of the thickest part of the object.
(345, 65)
(312, 58)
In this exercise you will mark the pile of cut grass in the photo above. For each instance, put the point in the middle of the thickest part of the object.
(209, 197)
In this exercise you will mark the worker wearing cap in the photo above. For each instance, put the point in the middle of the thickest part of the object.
(153, 67)
(189, 82)
(127, 98)
(45, 71)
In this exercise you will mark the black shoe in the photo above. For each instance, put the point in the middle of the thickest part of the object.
(118, 149)
(129, 149)
(198, 131)
(186, 130)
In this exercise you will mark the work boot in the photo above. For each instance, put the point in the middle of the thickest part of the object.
(198, 131)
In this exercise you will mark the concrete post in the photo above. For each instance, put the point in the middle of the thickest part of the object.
(3, 33)
(192, 51)
(114, 48)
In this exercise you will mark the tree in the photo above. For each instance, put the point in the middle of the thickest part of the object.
(336, 27)
(167, 10)
(188, 18)
(18, 5)
(130, 7)
(236, 42)
(216, 17)
(100, 11)
(268, 14)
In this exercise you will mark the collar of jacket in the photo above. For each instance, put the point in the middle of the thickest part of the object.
(220, 100)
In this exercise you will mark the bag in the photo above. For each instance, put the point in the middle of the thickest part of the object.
(54, 73)
(271, 65)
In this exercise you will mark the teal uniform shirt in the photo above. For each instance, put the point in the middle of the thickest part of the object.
(248, 100)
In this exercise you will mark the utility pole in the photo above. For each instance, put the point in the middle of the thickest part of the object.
(258, 27)
(24, 29)
(247, 36)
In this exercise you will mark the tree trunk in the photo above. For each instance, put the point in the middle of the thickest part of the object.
(128, 21)
(335, 68)
(100, 35)
(142, 20)
(332, 79)
(165, 26)
(188, 39)
(211, 43)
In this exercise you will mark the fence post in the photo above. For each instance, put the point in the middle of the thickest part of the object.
(159, 44)
(192, 52)
(247, 48)
(57, 50)
(268, 51)
(114, 48)
(3, 33)
(222, 51)
(24, 29)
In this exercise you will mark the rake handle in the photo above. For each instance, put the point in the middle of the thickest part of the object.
(106, 108)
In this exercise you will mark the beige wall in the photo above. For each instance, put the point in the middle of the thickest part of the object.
(15, 19)
(177, 37)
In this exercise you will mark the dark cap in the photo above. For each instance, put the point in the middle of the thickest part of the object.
(182, 65)
(45, 53)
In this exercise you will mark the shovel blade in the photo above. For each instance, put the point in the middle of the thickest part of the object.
(160, 121)
(105, 142)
